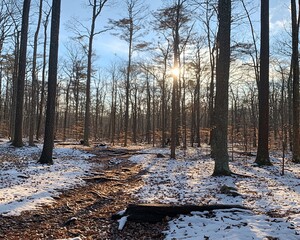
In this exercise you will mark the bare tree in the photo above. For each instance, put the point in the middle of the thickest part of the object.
(208, 18)
(161, 59)
(42, 87)
(34, 77)
(81, 33)
(18, 134)
(6, 25)
(97, 6)
(295, 73)
(197, 64)
(14, 80)
(114, 90)
(254, 54)
(130, 30)
(222, 84)
(10, 19)
(46, 156)
(175, 19)
(262, 157)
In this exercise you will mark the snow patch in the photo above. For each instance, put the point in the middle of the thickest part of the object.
(122, 222)
(274, 199)
(27, 185)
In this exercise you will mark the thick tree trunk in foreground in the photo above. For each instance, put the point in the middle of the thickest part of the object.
(262, 157)
(18, 133)
(295, 71)
(46, 157)
(222, 82)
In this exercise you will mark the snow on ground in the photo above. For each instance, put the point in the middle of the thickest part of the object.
(274, 200)
(26, 185)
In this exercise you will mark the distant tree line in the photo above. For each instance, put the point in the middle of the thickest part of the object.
(208, 74)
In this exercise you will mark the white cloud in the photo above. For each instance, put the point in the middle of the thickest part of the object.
(278, 26)
(279, 16)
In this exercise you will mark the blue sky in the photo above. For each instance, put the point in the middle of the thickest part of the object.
(108, 47)
(279, 14)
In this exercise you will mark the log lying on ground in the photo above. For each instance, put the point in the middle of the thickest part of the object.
(157, 212)
(100, 179)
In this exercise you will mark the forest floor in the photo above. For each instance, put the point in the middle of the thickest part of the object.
(82, 211)
(76, 197)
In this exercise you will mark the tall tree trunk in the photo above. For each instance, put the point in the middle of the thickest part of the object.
(148, 114)
(174, 114)
(163, 98)
(222, 83)
(295, 69)
(153, 114)
(193, 119)
(77, 80)
(97, 113)
(197, 97)
(17, 141)
(97, 8)
(113, 106)
(42, 89)
(183, 107)
(134, 115)
(34, 78)
(87, 119)
(212, 61)
(14, 86)
(253, 119)
(121, 116)
(66, 114)
(290, 109)
(128, 74)
(262, 157)
(175, 99)
(46, 156)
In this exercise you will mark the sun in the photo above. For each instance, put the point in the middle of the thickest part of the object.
(175, 71)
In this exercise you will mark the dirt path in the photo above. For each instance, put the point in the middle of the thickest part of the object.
(86, 211)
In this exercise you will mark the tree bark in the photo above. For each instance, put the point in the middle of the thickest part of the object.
(87, 118)
(295, 71)
(46, 156)
(66, 113)
(34, 79)
(42, 89)
(175, 99)
(128, 74)
(148, 114)
(222, 83)
(262, 157)
(14, 83)
(17, 141)
(157, 212)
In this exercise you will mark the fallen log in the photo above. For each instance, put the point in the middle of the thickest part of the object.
(100, 179)
(157, 212)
